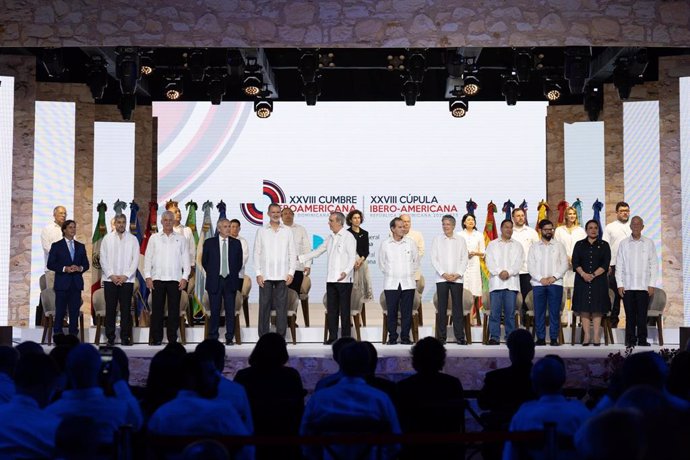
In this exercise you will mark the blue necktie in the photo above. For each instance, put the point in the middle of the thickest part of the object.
(71, 249)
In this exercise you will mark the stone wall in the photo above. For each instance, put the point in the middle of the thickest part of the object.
(345, 23)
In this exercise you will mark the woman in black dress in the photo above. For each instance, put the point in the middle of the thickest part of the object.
(591, 258)
(361, 279)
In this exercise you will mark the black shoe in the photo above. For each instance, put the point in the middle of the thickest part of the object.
(126, 342)
(540, 342)
(493, 342)
(614, 323)
(392, 342)
(229, 343)
(643, 343)
(157, 343)
(462, 341)
(111, 342)
(406, 342)
(586, 344)
(329, 342)
(554, 343)
(630, 344)
(443, 341)
(598, 344)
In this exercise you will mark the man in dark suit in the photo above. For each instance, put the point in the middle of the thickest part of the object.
(222, 261)
(67, 258)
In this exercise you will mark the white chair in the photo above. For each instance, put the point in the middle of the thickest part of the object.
(655, 315)
(467, 303)
(415, 316)
(355, 312)
(207, 314)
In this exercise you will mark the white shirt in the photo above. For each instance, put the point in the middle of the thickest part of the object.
(526, 236)
(49, 235)
(546, 260)
(167, 257)
(191, 245)
(119, 256)
(274, 253)
(417, 237)
(449, 255)
(637, 266)
(569, 238)
(302, 245)
(398, 261)
(614, 233)
(245, 255)
(504, 255)
(342, 253)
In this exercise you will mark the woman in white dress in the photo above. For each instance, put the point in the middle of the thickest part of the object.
(568, 235)
(472, 281)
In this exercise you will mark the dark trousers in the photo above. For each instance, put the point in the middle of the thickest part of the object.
(162, 291)
(455, 290)
(273, 296)
(67, 302)
(547, 298)
(525, 288)
(338, 297)
(115, 295)
(636, 304)
(297, 279)
(399, 299)
(226, 296)
(616, 307)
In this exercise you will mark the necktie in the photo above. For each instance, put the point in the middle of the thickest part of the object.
(71, 249)
(224, 259)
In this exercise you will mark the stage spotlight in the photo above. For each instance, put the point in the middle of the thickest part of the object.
(216, 87)
(309, 66)
(127, 69)
(97, 76)
(253, 80)
(552, 90)
(511, 88)
(173, 89)
(593, 101)
(311, 92)
(126, 106)
(471, 85)
(196, 63)
(263, 108)
(53, 62)
(458, 107)
(576, 67)
(523, 65)
(416, 66)
(455, 63)
(410, 91)
(146, 62)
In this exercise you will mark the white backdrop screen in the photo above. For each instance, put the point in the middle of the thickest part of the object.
(382, 158)
(584, 166)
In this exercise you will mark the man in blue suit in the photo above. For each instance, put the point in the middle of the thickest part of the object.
(67, 258)
(222, 261)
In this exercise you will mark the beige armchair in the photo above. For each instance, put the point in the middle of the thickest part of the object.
(467, 303)
(205, 303)
(605, 326)
(98, 303)
(416, 307)
(48, 302)
(355, 312)
(292, 307)
(246, 289)
(184, 308)
(486, 306)
(421, 283)
(655, 315)
(304, 298)
(529, 317)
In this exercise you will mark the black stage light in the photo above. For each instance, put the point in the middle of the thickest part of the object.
(576, 67)
(127, 69)
(173, 89)
(53, 62)
(410, 91)
(253, 80)
(311, 92)
(263, 108)
(593, 100)
(523, 65)
(97, 76)
(471, 85)
(196, 63)
(126, 105)
(552, 90)
(511, 88)
(458, 107)
(216, 87)
(455, 63)
(623, 80)
(416, 67)
(309, 66)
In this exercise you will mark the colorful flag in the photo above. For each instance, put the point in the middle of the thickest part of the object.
(221, 210)
(191, 219)
(135, 229)
(578, 209)
(119, 206)
(597, 207)
(542, 213)
(562, 206)
(470, 206)
(490, 233)
(508, 207)
(206, 232)
(151, 226)
(98, 233)
(523, 206)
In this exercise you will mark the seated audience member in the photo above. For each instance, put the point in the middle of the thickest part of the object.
(616, 434)
(372, 379)
(275, 393)
(228, 391)
(8, 361)
(506, 389)
(196, 411)
(205, 450)
(77, 439)
(26, 430)
(430, 401)
(29, 347)
(332, 379)
(350, 406)
(163, 381)
(548, 378)
(86, 398)
(679, 376)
